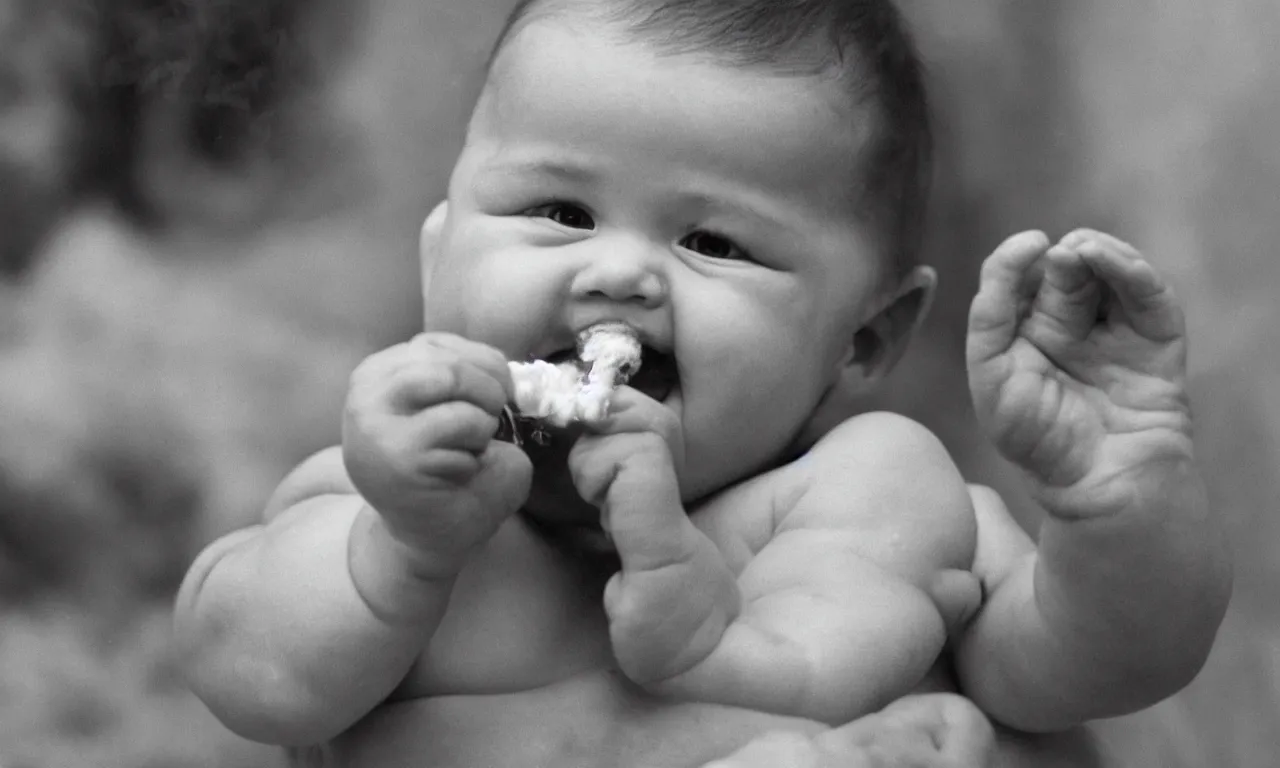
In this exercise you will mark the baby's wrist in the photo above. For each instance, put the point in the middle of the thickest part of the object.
(1155, 487)
(398, 582)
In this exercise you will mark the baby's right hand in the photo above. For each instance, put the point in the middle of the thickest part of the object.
(417, 440)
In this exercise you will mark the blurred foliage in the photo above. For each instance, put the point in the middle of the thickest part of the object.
(45, 87)
(208, 214)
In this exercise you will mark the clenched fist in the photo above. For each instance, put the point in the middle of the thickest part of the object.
(417, 440)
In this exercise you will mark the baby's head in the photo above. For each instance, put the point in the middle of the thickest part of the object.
(741, 182)
(864, 45)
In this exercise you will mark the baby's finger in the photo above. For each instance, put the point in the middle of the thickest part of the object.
(450, 465)
(486, 358)
(670, 603)
(652, 534)
(456, 424)
(633, 411)
(504, 476)
(1069, 294)
(426, 383)
(370, 377)
(1146, 300)
(1083, 236)
(997, 309)
(632, 480)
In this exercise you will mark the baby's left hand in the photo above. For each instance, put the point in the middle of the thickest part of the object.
(1077, 364)
(674, 596)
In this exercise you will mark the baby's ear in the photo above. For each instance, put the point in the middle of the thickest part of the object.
(880, 343)
(873, 351)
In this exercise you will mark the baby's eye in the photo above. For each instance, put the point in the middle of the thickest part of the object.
(564, 214)
(715, 246)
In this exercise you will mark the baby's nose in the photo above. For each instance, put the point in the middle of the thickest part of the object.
(621, 277)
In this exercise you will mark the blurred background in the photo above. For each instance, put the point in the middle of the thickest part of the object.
(208, 215)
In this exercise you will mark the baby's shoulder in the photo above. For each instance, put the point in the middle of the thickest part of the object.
(879, 447)
(890, 480)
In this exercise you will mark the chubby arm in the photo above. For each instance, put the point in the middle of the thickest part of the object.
(825, 614)
(1075, 629)
(294, 629)
(1077, 366)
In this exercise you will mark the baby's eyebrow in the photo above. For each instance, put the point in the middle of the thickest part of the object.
(561, 170)
(737, 204)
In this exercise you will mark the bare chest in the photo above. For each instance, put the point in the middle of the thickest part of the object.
(522, 616)
(520, 673)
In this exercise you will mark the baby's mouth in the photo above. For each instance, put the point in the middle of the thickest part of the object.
(657, 376)
(554, 495)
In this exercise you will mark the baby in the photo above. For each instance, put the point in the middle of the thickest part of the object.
(721, 546)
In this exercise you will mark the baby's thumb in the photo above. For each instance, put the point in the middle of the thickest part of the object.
(505, 476)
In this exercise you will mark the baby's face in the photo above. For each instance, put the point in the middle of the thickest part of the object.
(707, 207)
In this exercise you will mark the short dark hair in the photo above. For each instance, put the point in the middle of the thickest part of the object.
(867, 43)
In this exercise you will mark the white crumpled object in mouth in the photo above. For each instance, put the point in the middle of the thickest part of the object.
(562, 393)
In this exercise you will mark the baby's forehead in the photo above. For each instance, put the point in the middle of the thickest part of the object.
(550, 53)
(809, 60)
(675, 38)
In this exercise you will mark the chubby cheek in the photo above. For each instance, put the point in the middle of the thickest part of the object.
(741, 437)
(750, 363)
(491, 300)
(741, 422)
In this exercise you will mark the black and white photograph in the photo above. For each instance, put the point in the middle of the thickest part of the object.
(639, 384)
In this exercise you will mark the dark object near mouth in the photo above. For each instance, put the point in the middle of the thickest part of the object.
(563, 356)
(657, 376)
